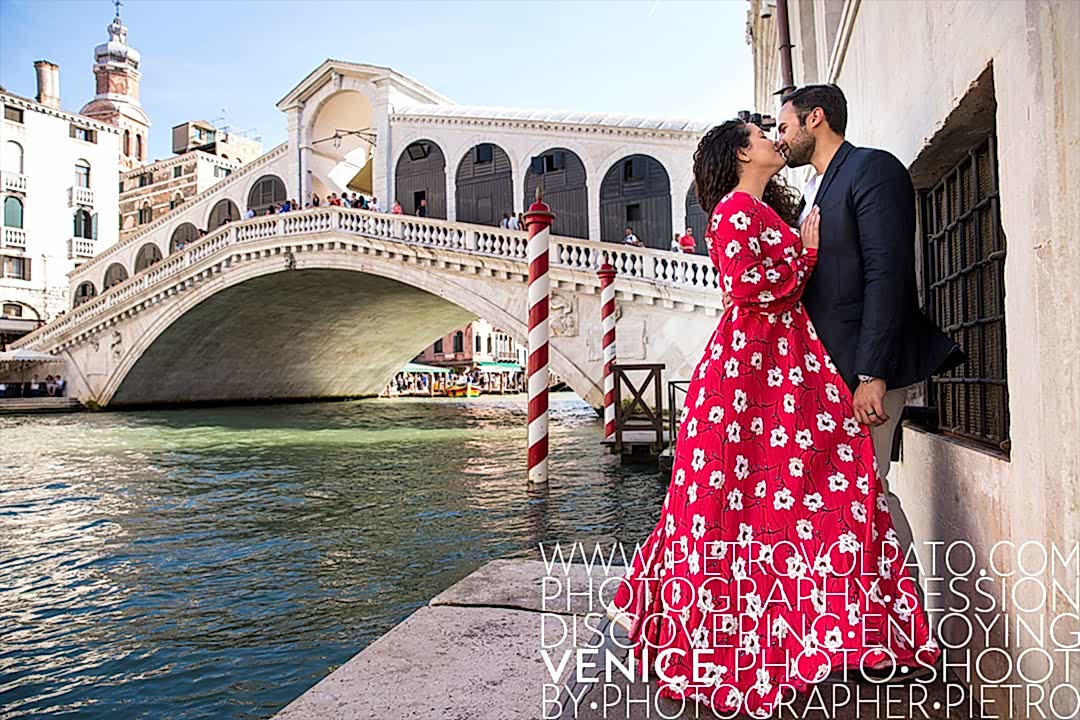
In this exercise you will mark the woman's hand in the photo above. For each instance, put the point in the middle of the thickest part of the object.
(809, 232)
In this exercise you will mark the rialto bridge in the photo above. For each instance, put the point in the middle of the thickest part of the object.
(200, 305)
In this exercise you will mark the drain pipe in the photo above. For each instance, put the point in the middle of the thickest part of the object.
(784, 35)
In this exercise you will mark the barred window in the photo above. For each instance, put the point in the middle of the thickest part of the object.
(964, 253)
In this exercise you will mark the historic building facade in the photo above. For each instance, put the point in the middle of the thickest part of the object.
(59, 189)
(972, 97)
(150, 191)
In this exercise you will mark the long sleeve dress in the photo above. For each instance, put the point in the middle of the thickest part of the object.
(774, 561)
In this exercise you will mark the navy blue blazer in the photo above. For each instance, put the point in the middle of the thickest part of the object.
(862, 296)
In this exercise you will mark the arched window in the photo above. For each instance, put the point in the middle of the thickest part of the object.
(176, 202)
(459, 342)
(477, 342)
(183, 236)
(146, 214)
(127, 143)
(115, 275)
(438, 348)
(13, 212)
(84, 292)
(85, 225)
(489, 345)
(224, 211)
(138, 147)
(82, 174)
(148, 255)
(265, 193)
(13, 157)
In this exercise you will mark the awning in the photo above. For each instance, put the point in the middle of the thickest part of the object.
(498, 367)
(420, 368)
(28, 356)
(19, 325)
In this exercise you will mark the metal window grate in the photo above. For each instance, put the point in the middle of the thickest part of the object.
(964, 250)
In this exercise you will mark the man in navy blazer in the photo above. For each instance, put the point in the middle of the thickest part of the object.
(862, 296)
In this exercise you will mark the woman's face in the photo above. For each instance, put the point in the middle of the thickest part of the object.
(763, 151)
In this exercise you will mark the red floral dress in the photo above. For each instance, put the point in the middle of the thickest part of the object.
(774, 560)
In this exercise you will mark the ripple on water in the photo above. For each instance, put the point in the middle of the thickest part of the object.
(218, 562)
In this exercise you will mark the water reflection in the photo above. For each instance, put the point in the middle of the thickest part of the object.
(216, 563)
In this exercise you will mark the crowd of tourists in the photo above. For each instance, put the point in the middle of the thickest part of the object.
(53, 386)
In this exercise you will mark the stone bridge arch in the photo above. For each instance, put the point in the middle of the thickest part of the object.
(243, 337)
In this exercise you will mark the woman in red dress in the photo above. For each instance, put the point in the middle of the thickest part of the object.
(774, 561)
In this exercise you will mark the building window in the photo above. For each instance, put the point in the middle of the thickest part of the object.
(438, 346)
(121, 186)
(84, 292)
(138, 147)
(634, 169)
(84, 225)
(13, 157)
(477, 342)
(85, 134)
(633, 212)
(489, 345)
(146, 214)
(551, 162)
(13, 114)
(485, 153)
(221, 172)
(13, 212)
(145, 179)
(82, 174)
(177, 171)
(16, 268)
(13, 310)
(459, 342)
(177, 200)
(964, 254)
(127, 143)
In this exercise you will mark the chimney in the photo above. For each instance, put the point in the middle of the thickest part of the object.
(48, 83)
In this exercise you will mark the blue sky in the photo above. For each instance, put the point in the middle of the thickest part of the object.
(204, 59)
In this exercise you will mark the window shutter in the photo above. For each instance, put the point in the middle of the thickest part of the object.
(93, 227)
(26, 268)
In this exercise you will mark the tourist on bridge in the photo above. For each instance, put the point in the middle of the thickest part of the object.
(776, 530)
(675, 246)
(315, 200)
(505, 221)
(688, 243)
(396, 210)
(521, 221)
(421, 211)
(631, 238)
(374, 204)
(513, 223)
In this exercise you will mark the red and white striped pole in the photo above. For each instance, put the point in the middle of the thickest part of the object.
(607, 314)
(538, 220)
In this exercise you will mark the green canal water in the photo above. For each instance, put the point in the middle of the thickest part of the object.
(216, 563)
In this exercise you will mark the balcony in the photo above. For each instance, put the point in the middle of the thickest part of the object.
(81, 196)
(14, 182)
(80, 248)
(15, 238)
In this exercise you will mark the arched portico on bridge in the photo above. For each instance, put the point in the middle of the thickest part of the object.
(420, 175)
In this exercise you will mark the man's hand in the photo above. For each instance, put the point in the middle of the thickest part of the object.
(870, 403)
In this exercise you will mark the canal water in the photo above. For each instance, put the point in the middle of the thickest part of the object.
(216, 563)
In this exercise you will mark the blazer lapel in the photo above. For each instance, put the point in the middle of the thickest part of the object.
(834, 167)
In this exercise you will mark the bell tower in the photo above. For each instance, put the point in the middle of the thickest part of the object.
(116, 70)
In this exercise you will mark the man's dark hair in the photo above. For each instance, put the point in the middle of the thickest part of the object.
(829, 98)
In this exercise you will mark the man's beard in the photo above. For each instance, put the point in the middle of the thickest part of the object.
(801, 151)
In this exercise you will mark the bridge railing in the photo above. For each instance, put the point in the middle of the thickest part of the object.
(654, 266)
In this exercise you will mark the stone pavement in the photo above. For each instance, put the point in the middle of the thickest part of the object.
(474, 653)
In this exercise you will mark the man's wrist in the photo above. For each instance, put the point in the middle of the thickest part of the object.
(867, 378)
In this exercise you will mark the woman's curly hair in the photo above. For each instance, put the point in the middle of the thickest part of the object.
(716, 172)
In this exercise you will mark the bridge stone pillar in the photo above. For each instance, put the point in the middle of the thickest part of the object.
(384, 152)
